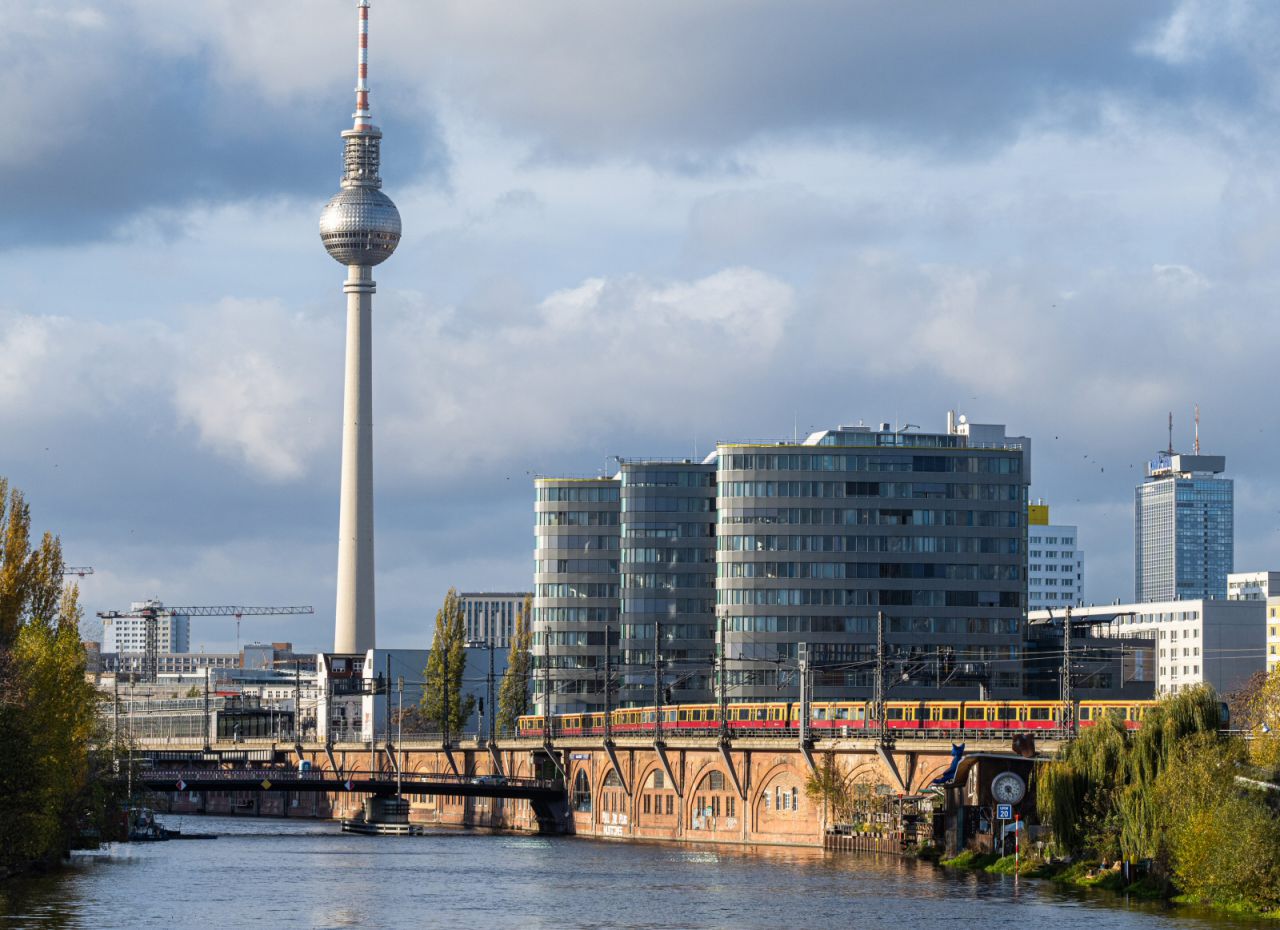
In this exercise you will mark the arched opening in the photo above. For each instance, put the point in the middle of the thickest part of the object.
(715, 804)
(612, 797)
(658, 798)
(582, 792)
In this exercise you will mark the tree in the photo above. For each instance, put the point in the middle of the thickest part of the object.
(513, 696)
(442, 702)
(48, 711)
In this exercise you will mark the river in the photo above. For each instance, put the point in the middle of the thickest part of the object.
(286, 874)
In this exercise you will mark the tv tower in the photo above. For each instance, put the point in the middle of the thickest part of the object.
(360, 227)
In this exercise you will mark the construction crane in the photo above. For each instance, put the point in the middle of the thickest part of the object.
(153, 610)
(78, 570)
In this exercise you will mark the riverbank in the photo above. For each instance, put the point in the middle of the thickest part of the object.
(1094, 876)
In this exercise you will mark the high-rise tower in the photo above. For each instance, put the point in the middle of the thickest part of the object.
(360, 227)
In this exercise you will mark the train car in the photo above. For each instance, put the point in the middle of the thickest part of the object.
(697, 718)
(837, 716)
(943, 715)
(903, 715)
(530, 727)
(1128, 713)
(1016, 716)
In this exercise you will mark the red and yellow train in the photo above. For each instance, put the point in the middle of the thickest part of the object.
(834, 718)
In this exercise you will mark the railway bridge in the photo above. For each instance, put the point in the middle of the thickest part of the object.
(691, 788)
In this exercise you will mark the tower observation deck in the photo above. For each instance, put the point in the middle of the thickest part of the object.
(360, 228)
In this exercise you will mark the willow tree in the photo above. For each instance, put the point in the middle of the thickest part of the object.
(513, 696)
(1098, 794)
(442, 700)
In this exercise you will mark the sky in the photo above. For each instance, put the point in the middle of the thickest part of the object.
(630, 229)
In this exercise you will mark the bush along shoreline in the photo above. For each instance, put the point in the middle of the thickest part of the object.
(1195, 808)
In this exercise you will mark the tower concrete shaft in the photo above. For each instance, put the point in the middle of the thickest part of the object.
(354, 628)
(360, 228)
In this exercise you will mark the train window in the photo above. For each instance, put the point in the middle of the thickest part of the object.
(762, 714)
(684, 716)
(860, 712)
(1038, 713)
(893, 713)
(974, 713)
(775, 713)
(695, 715)
(946, 713)
(842, 713)
(743, 715)
(1008, 713)
(1085, 712)
(650, 717)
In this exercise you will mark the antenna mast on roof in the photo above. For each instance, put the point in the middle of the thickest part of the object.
(1170, 449)
(1197, 443)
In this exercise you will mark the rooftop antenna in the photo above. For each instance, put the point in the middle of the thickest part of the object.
(1197, 444)
(1170, 449)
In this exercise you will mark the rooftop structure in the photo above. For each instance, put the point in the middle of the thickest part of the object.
(360, 228)
(1252, 586)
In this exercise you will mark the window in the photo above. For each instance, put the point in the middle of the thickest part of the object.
(581, 792)
(715, 781)
(670, 803)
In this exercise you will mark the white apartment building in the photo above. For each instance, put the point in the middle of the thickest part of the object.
(1252, 586)
(129, 634)
(1218, 642)
(490, 617)
(1055, 562)
(1273, 631)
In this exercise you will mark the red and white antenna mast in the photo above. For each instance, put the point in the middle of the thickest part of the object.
(361, 115)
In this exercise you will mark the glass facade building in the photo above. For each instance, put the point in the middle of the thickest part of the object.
(816, 539)
(668, 580)
(764, 547)
(576, 590)
(1184, 529)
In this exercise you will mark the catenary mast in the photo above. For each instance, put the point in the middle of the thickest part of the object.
(360, 227)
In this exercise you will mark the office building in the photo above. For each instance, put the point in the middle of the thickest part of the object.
(1183, 529)
(668, 563)
(765, 546)
(576, 590)
(490, 617)
(1203, 641)
(128, 635)
(1103, 668)
(1055, 563)
(1252, 586)
(817, 539)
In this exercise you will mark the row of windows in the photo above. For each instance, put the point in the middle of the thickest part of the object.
(770, 461)
(635, 478)
(577, 589)
(850, 570)
(985, 545)
(578, 541)
(840, 597)
(561, 566)
(869, 516)
(670, 631)
(569, 638)
(573, 615)
(578, 518)
(634, 529)
(667, 605)
(648, 503)
(579, 495)
(882, 489)
(669, 555)
(995, 626)
(665, 582)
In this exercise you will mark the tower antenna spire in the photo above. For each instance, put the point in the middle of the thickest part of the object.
(1170, 450)
(362, 118)
(1197, 443)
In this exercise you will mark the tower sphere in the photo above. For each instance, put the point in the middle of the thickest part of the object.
(360, 226)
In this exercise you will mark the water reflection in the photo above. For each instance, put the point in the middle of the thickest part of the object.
(306, 874)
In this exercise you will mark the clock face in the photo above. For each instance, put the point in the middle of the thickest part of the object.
(1008, 788)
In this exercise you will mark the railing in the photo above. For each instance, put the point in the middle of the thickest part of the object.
(286, 776)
